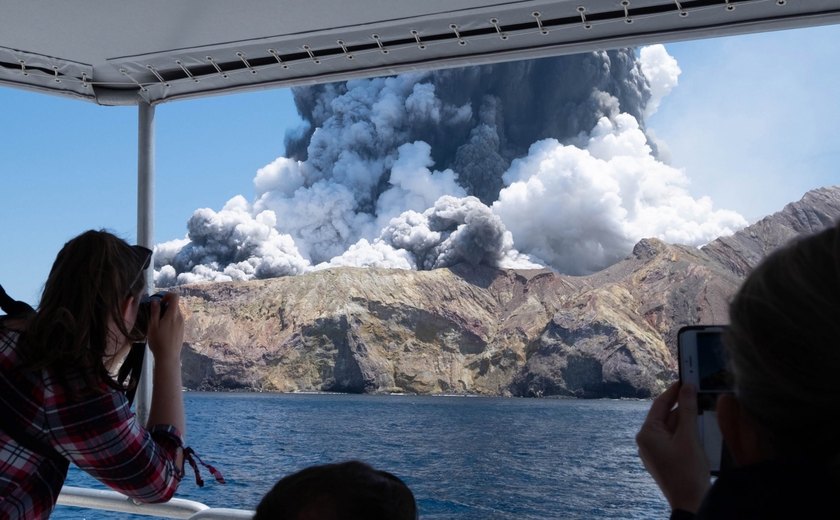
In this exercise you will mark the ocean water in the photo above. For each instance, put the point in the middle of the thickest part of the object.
(465, 458)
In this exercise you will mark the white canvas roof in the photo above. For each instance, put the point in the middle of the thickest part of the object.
(113, 52)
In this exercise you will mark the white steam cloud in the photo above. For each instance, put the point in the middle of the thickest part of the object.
(662, 73)
(518, 165)
(581, 209)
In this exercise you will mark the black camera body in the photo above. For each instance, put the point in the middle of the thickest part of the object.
(141, 325)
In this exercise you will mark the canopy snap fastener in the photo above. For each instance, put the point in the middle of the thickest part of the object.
(127, 75)
(454, 28)
(495, 22)
(420, 44)
(244, 60)
(536, 15)
(186, 71)
(157, 75)
(311, 54)
(626, 5)
(378, 41)
(216, 66)
(582, 11)
(344, 48)
(277, 57)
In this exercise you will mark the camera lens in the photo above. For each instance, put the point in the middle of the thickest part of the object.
(141, 324)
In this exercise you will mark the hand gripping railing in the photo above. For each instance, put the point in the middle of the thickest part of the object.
(105, 500)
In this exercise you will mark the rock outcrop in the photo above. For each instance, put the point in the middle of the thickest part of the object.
(461, 330)
(740, 252)
(618, 338)
(477, 329)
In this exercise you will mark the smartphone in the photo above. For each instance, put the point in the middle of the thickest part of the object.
(703, 364)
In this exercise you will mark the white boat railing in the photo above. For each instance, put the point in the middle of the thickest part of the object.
(104, 500)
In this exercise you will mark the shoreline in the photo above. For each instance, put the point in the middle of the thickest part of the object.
(407, 394)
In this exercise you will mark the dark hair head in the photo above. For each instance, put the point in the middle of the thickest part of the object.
(348, 491)
(89, 282)
(784, 346)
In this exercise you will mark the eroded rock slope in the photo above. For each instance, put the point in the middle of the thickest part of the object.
(476, 329)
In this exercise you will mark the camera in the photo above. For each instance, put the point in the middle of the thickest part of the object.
(141, 324)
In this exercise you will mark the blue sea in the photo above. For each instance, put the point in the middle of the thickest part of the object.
(465, 458)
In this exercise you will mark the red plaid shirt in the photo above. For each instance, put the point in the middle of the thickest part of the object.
(97, 432)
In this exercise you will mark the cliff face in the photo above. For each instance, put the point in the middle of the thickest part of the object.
(367, 330)
(474, 329)
(461, 330)
(617, 337)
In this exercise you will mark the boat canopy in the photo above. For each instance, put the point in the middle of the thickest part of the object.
(128, 53)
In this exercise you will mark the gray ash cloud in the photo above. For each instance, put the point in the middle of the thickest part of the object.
(541, 162)
(481, 118)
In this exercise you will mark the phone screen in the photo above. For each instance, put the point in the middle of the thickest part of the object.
(703, 364)
(713, 375)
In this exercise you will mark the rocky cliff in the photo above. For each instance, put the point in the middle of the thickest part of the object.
(742, 251)
(476, 329)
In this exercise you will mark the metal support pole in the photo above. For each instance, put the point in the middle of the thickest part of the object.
(145, 233)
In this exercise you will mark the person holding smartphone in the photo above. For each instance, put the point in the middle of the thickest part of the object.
(703, 365)
(60, 401)
(781, 424)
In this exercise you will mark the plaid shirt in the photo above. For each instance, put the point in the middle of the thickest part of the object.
(96, 431)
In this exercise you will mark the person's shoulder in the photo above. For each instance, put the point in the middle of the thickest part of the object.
(70, 386)
(9, 328)
(9, 341)
(772, 490)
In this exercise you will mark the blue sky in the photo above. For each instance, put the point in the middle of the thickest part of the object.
(752, 122)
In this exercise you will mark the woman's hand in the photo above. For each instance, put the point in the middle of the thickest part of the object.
(166, 336)
(166, 333)
(670, 448)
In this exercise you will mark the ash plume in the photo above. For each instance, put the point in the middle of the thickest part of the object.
(454, 230)
(232, 244)
(541, 162)
(476, 119)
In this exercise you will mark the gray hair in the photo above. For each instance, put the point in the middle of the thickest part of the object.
(784, 346)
